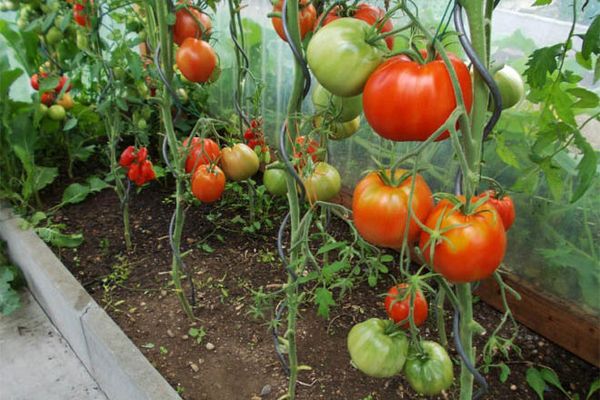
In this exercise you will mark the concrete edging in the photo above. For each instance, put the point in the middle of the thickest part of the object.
(119, 368)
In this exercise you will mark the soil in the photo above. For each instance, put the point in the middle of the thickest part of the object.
(236, 357)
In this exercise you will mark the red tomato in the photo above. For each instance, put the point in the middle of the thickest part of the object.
(142, 154)
(127, 157)
(134, 173)
(405, 101)
(381, 211)
(306, 18)
(202, 151)
(47, 98)
(186, 25)
(35, 80)
(147, 171)
(368, 13)
(473, 246)
(61, 83)
(309, 148)
(208, 183)
(196, 60)
(80, 14)
(397, 305)
(504, 206)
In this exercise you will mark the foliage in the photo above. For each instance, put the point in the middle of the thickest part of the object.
(10, 281)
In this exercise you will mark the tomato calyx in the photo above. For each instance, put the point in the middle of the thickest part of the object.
(391, 177)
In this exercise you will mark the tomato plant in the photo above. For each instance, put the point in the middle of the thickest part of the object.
(201, 151)
(275, 181)
(307, 18)
(186, 25)
(340, 109)
(208, 183)
(397, 305)
(380, 206)
(429, 369)
(504, 205)
(463, 248)
(377, 348)
(323, 183)
(239, 162)
(342, 58)
(405, 100)
(196, 60)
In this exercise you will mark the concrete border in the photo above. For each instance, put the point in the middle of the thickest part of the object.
(119, 368)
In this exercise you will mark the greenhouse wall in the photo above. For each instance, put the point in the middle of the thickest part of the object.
(553, 238)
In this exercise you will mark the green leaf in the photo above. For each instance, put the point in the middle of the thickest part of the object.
(542, 2)
(504, 372)
(37, 217)
(331, 246)
(591, 41)
(96, 184)
(75, 193)
(134, 65)
(372, 280)
(542, 62)
(43, 176)
(70, 124)
(587, 167)
(593, 388)
(330, 270)
(83, 153)
(9, 298)
(505, 152)
(59, 239)
(550, 376)
(554, 178)
(597, 70)
(585, 63)
(48, 84)
(324, 300)
(586, 98)
(535, 381)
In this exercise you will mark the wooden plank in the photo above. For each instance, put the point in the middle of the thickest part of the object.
(550, 316)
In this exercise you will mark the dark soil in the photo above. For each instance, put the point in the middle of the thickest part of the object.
(243, 363)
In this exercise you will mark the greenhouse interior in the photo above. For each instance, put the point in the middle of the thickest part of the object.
(299, 199)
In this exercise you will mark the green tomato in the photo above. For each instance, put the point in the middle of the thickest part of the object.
(378, 348)
(274, 180)
(118, 72)
(510, 83)
(341, 109)
(340, 130)
(82, 40)
(239, 162)
(323, 184)
(57, 113)
(142, 124)
(340, 57)
(54, 36)
(429, 372)
(42, 109)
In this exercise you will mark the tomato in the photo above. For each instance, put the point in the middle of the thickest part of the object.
(397, 305)
(47, 98)
(127, 157)
(61, 83)
(80, 14)
(430, 371)
(147, 171)
(323, 184)
(504, 205)
(340, 57)
(134, 173)
(405, 101)
(35, 80)
(142, 154)
(274, 180)
(377, 348)
(311, 148)
(66, 101)
(54, 36)
(208, 183)
(196, 60)
(57, 112)
(239, 162)
(473, 246)
(306, 18)
(510, 83)
(339, 130)
(340, 109)
(368, 13)
(381, 210)
(201, 151)
(186, 25)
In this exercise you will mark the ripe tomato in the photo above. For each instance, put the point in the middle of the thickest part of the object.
(35, 80)
(61, 83)
(405, 101)
(239, 162)
(208, 183)
(376, 348)
(186, 25)
(306, 18)
(80, 14)
(127, 157)
(303, 148)
(368, 13)
(504, 205)
(196, 60)
(323, 184)
(397, 305)
(430, 371)
(66, 101)
(381, 211)
(473, 246)
(340, 57)
(340, 109)
(201, 151)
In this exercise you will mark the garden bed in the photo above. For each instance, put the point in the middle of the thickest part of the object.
(236, 358)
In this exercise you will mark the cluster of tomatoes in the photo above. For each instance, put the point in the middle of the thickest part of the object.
(195, 57)
(55, 108)
(209, 166)
(81, 10)
(255, 136)
(139, 168)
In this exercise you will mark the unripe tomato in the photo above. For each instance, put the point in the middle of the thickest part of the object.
(340, 130)
(397, 305)
(511, 85)
(208, 183)
(323, 184)
(274, 180)
(239, 162)
(196, 60)
(54, 36)
(57, 112)
(340, 109)
(429, 372)
(306, 18)
(186, 25)
(66, 101)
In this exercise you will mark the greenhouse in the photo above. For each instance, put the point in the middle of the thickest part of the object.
(299, 199)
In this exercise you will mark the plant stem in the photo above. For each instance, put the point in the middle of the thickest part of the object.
(465, 302)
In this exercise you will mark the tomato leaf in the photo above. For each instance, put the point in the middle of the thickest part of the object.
(43, 176)
(504, 372)
(96, 184)
(59, 239)
(535, 381)
(541, 62)
(542, 2)
(324, 300)
(9, 298)
(70, 124)
(593, 389)
(75, 193)
(587, 167)
(586, 98)
(591, 41)
(331, 246)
